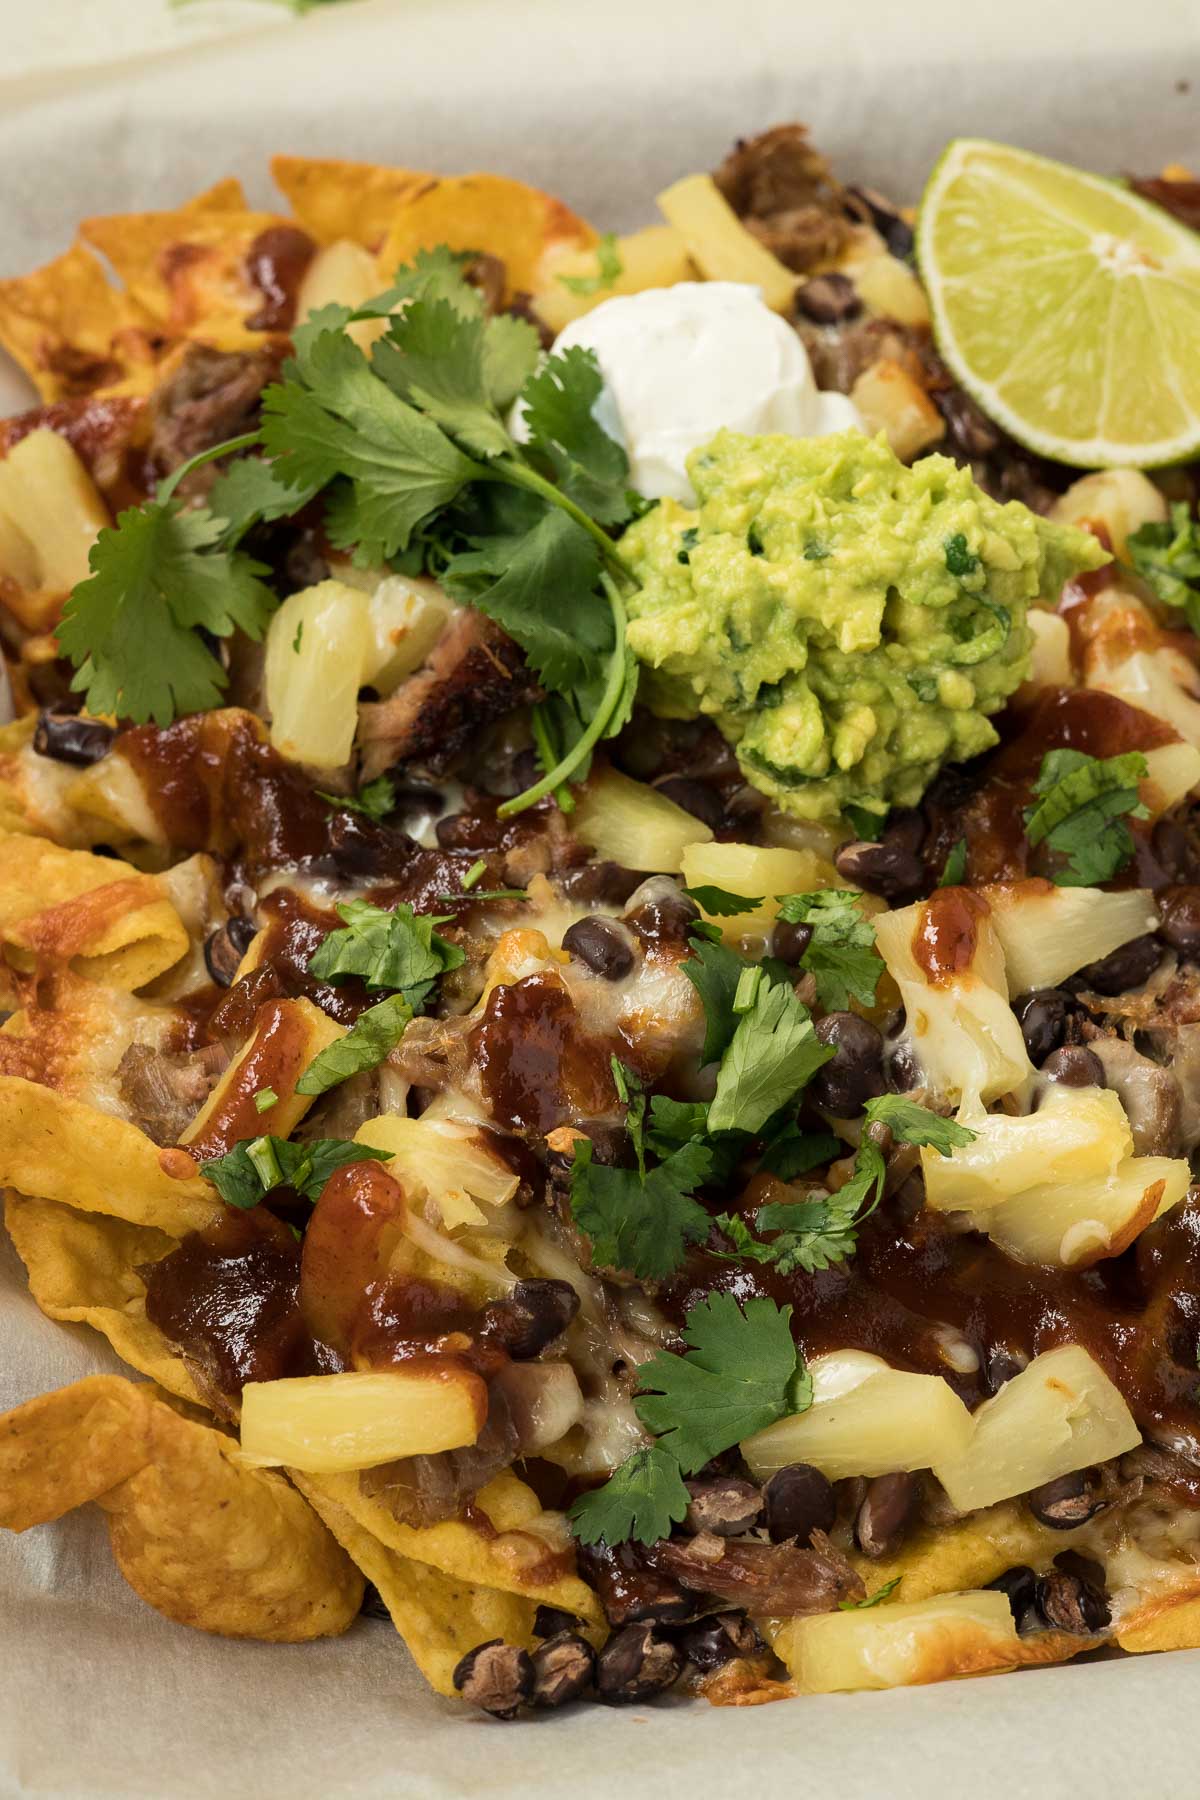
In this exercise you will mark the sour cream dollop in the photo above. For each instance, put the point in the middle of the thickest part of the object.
(681, 362)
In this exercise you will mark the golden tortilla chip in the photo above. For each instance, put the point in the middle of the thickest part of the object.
(82, 1269)
(201, 1538)
(1169, 1622)
(396, 212)
(58, 1148)
(967, 1554)
(109, 922)
(73, 333)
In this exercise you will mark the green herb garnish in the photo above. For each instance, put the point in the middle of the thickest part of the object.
(256, 1167)
(1082, 805)
(841, 955)
(608, 269)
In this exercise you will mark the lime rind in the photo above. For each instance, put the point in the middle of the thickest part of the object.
(1091, 364)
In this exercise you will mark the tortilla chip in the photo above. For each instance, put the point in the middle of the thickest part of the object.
(287, 1035)
(110, 923)
(83, 1269)
(201, 1538)
(967, 1554)
(396, 212)
(58, 1148)
(73, 333)
(1168, 1622)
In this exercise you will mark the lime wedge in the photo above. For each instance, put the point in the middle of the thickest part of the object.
(1068, 307)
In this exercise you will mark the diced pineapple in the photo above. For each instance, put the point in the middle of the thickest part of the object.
(655, 257)
(318, 644)
(1128, 655)
(326, 1424)
(866, 1419)
(435, 1156)
(900, 1645)
(759, 872)
(962, 1030)
(1060, 1414)
(406, 616)
(1172, 773)
(1119, 500)
(720, 245)
(627, 822)
(54, 504)
(892, 402)
(1073, 1223)
(342, 274)
(885, 285)
(18, 559)
(286, 1037)
(1076, 1133)
(1050, 659)
(1048, 932)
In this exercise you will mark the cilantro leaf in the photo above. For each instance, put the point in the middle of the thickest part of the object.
(432, 275)
(1167, 557)
(631, 1092)
(789, 1152)
(714, 971)
(608, 268)
(880, 1594)
(257, 1166)
(954, 869)
(641, 1221)
(433, 357)
(741, 1373)
(590, 467)
(642, 1500)
(913, 1124)
(511, 352)
(374, 801)
(398, 949)
(719, 903)
(132, 628)
(249, 492)
(960, 559)
(366, 1044)
(841, 954)
(1079, 812)
(675, 1122)
(771, 1056)
(813, 1234)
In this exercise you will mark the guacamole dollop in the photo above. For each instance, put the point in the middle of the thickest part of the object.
(849, 622)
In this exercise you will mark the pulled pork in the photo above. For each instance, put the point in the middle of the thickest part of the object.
(763, 1578)
(784, 192)
(213, 395)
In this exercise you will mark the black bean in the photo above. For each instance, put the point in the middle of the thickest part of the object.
(1066, 1502)
(789, 942)
(695, 797)
(1175, 851)
(1180, 910)
(562, 1668)
(1124, 968)
(743, 811)
(664, 919)
(724, 1504)
(886, 1514)
(552, 1621)
(634, 1664)
(226, 946)
(497, 1677)
(1020, 1585)
(359, 846)
(1000, 1367)
(854, 1074)
(892, 227)
(1074, 1066)
(373, 1604)
(712, 1642)
(886, 868)
(1042, 1016)
(1068, 1603)
(902, 1068)
(601, 881)
(629, 1591)
(969, 431)
(828, 299)
(603, 944)
(68, 737)
(797, 1501)
(534, 1314)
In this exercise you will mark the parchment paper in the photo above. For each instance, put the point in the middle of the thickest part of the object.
(99, 1696)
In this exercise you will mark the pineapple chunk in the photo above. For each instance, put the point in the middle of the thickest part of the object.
(437, 1157)
(886, 285)
(1076, 1222)
(900, 1645)
(866, 1419)
(758, 872)
(317, 647)
(1116, 500)
(406, 617)
(1060, 1414)
(1050, 662)
(1172, 773)
(1076, 1134)
(655, 257)
(327, 1424)
(629, 823)
(892, 402)
(18, 558)
(962, 1030)
(343, 274)
(1048, 932)
(54, 504)
(720, 245)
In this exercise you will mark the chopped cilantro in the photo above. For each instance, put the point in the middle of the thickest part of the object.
(814, 551)
(1080, 812)
(641, 1220)
(399, 950)
(742, 1371)
(841, 954)
(960, 560)
(1167, 557)
(608, 269)
(373, 1034)
(642, 1500)
(865, 824)
(772, 1054)
(954, 869)
(688, 540)
(876, 1598)
(265, 1099)
(719, 903)
(474, 875)
(812, 1234)
(374, 801)
(789, 1152)
(714, 971)
(913, 1124)
(296, 642)
(257, 1166)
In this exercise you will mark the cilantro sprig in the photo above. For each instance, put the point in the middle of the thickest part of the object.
(373, 1035)
(841, 954)
(255, 1168)
(1080, 812)
(1167, 557)
(772, 1054)
(400, 950)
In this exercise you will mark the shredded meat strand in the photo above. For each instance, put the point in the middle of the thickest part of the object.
(765, 1578)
